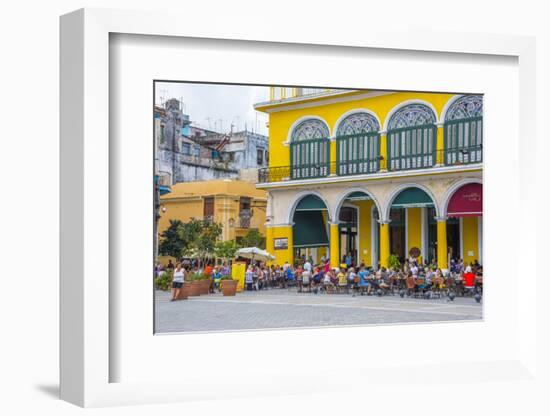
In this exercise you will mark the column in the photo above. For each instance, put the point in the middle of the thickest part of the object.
(442, 242)
(334, 245)
(440, 146)
(290, 251)
(333, 162)
(269, 245)
(383, 151)
(384, 243)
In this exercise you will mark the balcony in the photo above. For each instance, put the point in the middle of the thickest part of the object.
(373, 165)
(244, 219)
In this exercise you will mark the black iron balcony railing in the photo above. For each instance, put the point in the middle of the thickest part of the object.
(244, 219)
(463, 155)
(446, 157)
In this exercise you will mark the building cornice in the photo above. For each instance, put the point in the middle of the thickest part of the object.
(316, 100)
(372, 176)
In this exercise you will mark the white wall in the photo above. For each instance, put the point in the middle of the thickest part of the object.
(29, 209)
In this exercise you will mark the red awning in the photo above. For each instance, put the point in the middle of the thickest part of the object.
(467, 201)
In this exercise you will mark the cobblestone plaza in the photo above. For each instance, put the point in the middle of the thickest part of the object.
(281, 308)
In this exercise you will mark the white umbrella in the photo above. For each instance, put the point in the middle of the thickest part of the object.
(254, 253)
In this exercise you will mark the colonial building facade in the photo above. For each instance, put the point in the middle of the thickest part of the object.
(237, 205)
(372, 174)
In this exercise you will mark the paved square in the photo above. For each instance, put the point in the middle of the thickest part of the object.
(281, 308)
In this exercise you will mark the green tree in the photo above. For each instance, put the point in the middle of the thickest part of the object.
(226, 249)
(253, 239)
(172, 243)
(200, 238)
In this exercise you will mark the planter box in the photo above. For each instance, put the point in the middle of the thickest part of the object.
(195, 289)
(205, 287)
(184, 291)
(229, 287)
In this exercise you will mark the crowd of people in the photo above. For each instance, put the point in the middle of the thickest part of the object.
(412, 276)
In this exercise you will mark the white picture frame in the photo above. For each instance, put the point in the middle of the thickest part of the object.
(87, 302)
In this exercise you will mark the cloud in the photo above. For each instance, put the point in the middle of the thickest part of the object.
(218, 106)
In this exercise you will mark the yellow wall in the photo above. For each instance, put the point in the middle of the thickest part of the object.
(282, 256)
(470, 240)
(280, 122)
(414, 228)
(365, 231)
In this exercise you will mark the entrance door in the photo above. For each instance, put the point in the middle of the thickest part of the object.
(397, 233)
(453, 238)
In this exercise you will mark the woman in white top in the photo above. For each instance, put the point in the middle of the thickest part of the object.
(177, 281)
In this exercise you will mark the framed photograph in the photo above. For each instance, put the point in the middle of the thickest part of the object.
(280, 243)
(331, 204)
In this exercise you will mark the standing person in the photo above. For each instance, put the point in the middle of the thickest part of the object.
(326, 266)
(289, 275)
(177, 281)
(255, 277)
(351, 278)
(249, 278)
(305, 279)
(307, 266)
(327, 282)
(349, 261)
(286, 266)
(169, 266)
(261, 278)
(469, 280)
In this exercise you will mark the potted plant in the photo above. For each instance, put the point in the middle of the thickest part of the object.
(229, 286)
(196, 285)
(164, 281)
(201, 283)
(393, 262)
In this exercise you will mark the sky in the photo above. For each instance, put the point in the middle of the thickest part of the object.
(217, 106)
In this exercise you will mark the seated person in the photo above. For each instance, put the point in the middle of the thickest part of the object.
(306, 276)
(317, 276)
(352, 276)
(342, 278)
(217, 275)
(469, 279)
(327, 279)
(363, 282)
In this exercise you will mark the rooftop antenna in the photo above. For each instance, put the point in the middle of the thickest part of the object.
(163, 95)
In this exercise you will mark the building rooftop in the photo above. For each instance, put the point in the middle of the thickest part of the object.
(214, 187)
(300, 96)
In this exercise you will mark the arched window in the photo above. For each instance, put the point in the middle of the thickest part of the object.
(411, 138)
(358, 145)
(464, 130)
(310, 150)
(310, 129)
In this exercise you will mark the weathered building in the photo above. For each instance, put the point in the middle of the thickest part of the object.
(186, 153)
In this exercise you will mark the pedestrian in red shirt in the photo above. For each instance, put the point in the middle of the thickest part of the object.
(469, 279)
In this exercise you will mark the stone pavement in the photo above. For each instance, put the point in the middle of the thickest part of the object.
(281, 308)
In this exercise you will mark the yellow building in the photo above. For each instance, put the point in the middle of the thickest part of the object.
(373, 173)
(238, 205)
